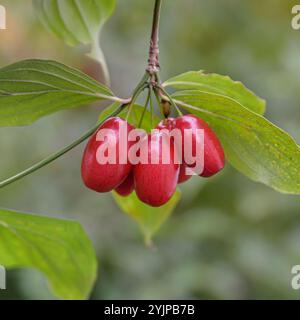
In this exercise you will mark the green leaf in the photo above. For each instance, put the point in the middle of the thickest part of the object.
(77, 22)
(134, 117)
(148, 218)
(253, 145)
(60, 249)
(223, 85)
(31, 89)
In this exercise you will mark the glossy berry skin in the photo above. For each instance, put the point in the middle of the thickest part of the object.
(214, 158)
(105, 177)
(127, 187)
(170, 125)
(155, 183)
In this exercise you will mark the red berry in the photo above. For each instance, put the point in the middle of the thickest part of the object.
(155, 183)
(127, 187)
(214, 158)
(106, 177)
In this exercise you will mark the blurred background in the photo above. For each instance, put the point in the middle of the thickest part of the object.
(229, 238)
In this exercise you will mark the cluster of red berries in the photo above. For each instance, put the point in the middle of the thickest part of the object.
(154, 183)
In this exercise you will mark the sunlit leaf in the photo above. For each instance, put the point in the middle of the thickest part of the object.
(253, 145)
(215, 83)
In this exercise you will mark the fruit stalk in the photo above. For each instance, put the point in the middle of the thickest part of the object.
(168, 98)
(145, 108)
(142, 85)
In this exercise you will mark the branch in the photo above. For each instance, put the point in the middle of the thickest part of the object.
(153, 62)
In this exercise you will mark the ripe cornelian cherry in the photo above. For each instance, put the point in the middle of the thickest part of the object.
(214, 158)
(156, 179)
(106, 176)
(127, 187)
(155, 182)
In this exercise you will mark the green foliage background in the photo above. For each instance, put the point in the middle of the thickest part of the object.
(229, 237)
